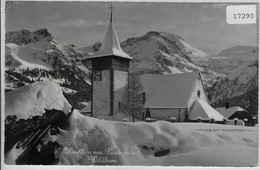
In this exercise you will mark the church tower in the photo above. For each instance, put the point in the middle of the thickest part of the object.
(110, 69)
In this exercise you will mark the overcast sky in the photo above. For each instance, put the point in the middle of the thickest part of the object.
(203, 26)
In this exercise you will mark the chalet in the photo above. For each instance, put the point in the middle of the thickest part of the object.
(237, 112)
(234, 112)
(177, 95)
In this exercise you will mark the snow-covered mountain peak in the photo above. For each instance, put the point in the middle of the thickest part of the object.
(165, 53)
(90, 50)
(239, 88)
(173, 41)
(41, 34)
(24, 49)
(23, 37)
(246, 52)
(37, 56)
(147, 37)
(185, 47)
(160, 53)
(231, 58)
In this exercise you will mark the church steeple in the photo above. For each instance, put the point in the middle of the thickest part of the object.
(109, 75)
(110, 45)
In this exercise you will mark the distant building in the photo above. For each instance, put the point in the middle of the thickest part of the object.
(177, 95)
(234, 112)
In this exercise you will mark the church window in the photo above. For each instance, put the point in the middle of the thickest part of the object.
(143, 98)
(97, 75)
(119, 106)
(198, 93)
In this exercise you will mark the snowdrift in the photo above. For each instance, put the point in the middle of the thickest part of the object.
(100, 142)
(90, 141)
(33, 99)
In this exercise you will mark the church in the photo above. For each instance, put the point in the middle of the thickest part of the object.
(177, 95)
(181, 96)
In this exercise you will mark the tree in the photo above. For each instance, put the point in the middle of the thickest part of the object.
(134, 97)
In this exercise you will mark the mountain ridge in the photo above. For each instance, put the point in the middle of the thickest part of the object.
(161, 53)
(236, 88)
(37, 56)
(153, 53)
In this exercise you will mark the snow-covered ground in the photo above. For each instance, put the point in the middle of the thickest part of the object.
(32, 99)
(90, 141)
(20, 57)
(100, 142)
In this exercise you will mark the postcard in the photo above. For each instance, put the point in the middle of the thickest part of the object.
(137, 84)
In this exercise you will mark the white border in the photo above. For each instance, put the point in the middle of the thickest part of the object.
(70, 167)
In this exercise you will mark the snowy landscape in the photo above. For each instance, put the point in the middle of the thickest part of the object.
(151, 100)
(84, 140)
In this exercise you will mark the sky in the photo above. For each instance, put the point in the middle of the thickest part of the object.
(202, 25)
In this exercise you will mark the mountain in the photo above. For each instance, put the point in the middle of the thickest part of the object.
(161, 53)
(232, 73)
(37, 56)
(240, 88)
(25, 37)
(90, 50)
(230, 59)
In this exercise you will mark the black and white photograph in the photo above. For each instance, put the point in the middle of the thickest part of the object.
(121, 83)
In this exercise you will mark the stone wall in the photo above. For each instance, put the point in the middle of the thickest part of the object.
(101, 95)
(120, 88)
(166, 114)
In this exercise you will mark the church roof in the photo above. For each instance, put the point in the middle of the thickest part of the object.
(111, 45)
(203, 110)
(229, 111)
(168, 91)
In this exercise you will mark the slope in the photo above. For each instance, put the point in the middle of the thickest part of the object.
(240, 88)
(162, 53)
(37, 56)
(230, 59)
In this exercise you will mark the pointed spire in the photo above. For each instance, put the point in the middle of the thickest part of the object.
(110, 44)
(111, 7)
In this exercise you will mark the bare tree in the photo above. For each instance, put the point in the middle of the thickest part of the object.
(134, 97)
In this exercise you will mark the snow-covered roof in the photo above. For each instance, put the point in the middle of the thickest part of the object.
(168, 91)
(230, 111)
(205, 111)
(111, 45)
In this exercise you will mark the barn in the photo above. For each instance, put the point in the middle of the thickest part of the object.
(177, 95)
